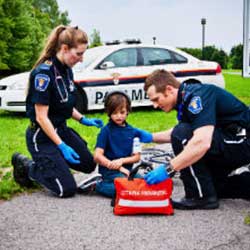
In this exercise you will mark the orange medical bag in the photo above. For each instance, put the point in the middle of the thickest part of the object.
(135, 196)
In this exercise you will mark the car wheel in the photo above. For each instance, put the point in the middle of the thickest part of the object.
(81, 101)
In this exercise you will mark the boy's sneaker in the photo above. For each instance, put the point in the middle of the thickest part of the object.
(21, 166)
(87, 186)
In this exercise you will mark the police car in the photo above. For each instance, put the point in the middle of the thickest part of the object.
(118, 66)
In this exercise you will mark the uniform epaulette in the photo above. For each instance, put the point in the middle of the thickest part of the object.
(46, 65)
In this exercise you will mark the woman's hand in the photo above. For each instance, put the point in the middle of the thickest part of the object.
(92, 122)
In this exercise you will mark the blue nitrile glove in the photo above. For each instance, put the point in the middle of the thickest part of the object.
(69, 153)
(91, 122)
(144, 136)
(157, 175)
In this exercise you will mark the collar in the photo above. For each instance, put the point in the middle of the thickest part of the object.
(180, 95)
(113, 124)
(62, 68)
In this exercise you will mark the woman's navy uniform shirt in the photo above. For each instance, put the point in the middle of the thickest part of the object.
(205, 104)
(117, 142)
(51, 84)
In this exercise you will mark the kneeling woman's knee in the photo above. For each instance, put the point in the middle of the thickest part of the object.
(90, 167)
(67, 191)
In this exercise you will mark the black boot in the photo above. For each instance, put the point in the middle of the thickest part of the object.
(21, 166)
(196, 203)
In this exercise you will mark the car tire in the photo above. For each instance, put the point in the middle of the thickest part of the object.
(81, 101)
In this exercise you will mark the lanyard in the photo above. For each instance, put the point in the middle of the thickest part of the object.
(64, 96)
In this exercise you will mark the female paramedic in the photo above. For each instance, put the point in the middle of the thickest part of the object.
(55, 148)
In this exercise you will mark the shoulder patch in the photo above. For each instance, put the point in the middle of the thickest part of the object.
(41, 82)
(195, 105)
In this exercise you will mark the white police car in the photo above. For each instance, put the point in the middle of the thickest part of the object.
(120, 66)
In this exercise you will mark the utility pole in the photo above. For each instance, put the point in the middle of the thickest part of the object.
(203, 23)
(154, 39)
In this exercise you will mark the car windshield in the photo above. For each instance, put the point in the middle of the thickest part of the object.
(89, 56)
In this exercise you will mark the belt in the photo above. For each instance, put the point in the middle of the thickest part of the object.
(33, 126)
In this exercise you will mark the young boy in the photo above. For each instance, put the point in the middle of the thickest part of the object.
(114, 147)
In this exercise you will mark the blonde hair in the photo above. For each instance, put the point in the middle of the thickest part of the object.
(71, 36)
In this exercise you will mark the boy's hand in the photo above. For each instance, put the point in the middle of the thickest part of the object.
(124, 171)
(115, 164)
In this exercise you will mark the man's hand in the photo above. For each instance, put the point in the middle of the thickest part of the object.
(159, 174)
(69, 153)
(91, 122)
(145, 136)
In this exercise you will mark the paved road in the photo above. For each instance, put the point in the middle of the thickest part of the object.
(40, 221)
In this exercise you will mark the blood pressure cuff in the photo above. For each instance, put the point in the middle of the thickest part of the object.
(137, 197)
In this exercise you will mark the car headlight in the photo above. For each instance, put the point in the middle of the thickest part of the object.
(19, 85)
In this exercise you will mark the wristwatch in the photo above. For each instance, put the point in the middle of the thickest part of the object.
(170, 170)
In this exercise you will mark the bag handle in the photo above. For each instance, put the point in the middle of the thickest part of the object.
(142, 165)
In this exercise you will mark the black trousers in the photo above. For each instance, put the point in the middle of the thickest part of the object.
(51, 170)
(210, 176)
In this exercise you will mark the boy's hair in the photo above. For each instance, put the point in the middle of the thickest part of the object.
(160, 79)
(115, 100)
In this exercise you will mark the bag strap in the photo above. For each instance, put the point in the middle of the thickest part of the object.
(142, 165)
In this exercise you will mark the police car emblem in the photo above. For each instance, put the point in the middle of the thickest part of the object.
(195, 105)
(41, 82)
(116, 78)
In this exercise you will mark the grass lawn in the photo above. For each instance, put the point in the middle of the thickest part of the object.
(13, 126)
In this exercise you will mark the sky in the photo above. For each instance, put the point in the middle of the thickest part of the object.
(175, 23)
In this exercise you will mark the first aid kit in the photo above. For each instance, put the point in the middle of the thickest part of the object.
(135, 196)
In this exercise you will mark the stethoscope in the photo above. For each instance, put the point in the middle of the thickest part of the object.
(64, 96)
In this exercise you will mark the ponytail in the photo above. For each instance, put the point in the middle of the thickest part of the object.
(71, 36)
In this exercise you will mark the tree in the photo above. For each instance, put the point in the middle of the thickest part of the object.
(221, 57)
(17, 28)
(210, 54)
(24, 24)
(95, 39)
(193, 51)
(236, 57)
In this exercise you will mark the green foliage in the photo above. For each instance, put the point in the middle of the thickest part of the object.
(247, 219)
(95, 39)
(236, 57)
(239, 86)
(8, 187)
(23, 26)
(193, 51)
(210, 54)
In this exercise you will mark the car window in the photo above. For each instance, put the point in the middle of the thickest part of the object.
(123, 58)
(156, 56)
(179, 58)
(88, 57)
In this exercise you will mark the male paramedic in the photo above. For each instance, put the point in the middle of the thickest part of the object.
(210, 141)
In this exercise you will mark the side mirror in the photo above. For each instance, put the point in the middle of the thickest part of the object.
(107, 65)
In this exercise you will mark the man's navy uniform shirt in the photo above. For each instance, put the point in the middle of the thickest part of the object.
(117, 142)
(205, 104)
(51, 84)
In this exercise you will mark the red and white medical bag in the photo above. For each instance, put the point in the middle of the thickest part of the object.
(135, 196)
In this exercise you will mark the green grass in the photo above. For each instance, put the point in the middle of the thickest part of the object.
(13, 126)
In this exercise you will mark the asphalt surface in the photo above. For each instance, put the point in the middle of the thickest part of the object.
(41, 221)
